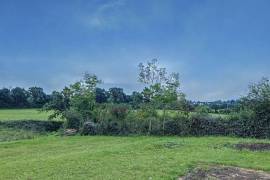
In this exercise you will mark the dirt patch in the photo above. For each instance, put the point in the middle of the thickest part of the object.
(225, 173)
(253, 146)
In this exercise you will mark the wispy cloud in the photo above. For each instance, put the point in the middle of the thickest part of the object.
(106, 15)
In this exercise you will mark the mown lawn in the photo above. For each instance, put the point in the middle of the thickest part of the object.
(100, 157)
(23, 114)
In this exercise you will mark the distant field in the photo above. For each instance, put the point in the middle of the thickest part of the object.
(100, 157)
(35, 114)
(172, 113)
(23, 114)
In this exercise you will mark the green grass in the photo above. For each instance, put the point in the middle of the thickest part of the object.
(35, 114)
(11, 134)
(23, 114)
(173, 113)
(99, 157)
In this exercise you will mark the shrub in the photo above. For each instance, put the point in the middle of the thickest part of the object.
(119, 111)
(89, 128)
(201, 124)
(173, 127)
(247, 124)
(108, 127)
(33, 125)
(177, 126)
(73, 119)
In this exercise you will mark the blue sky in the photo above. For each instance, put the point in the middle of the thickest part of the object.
(217, 46)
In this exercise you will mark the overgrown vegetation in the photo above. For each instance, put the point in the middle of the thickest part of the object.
(160, 109)
(86, 107)
(27, 129)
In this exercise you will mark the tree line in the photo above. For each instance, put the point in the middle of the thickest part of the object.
(35, 97)
(18, 97)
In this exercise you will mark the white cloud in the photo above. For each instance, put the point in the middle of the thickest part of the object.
(105, 15)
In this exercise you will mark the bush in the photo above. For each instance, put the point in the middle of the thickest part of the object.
(247, 124)
(200, 125)
(108, 127)
(73, 119)
(177, 126)
(89, 128)
(33, 125)
(120, 120)
(119, 111)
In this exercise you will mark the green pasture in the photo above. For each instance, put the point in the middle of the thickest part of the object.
(23, 114)
(36, 114)
(99, 157)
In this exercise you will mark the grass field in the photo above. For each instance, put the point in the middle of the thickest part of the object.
(99, 157)
(35, 114)
(23, 114)
(32, 155)
(11, 134)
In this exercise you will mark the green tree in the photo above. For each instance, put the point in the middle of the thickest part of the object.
(37, 98)
(101, 95)
(59, 103)
(258, 103)
(83, 96)
(136, 99)
(117, 95)
(78, 100)
(5, 98)
(162, 88)
(19, 97)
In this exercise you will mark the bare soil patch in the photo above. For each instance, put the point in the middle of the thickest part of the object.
(226, 173)
(253, 146)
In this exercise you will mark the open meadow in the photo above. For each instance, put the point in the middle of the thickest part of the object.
(99, 157)
(143, 90)
(31, 155)
(23, 114)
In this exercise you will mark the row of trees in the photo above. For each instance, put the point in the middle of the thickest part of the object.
(35, 97)
(18, 97)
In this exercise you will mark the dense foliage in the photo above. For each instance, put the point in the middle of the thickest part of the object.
(18, 97)
(33, 125)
